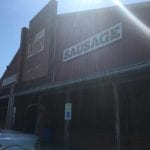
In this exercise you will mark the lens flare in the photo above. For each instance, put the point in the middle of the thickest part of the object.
(90, 3)
(133, 18)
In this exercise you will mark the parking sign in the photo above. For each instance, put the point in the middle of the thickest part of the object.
(68, 110)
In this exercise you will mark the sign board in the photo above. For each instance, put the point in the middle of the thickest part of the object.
(102, 39)
(9, 80)
(68, 111)
(37, 44)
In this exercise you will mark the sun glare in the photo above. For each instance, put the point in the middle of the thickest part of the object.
(90, 2)
(133, 18)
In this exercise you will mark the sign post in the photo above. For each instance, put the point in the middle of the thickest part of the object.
(67, 117)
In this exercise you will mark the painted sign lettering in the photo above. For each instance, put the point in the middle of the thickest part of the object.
(104, 38)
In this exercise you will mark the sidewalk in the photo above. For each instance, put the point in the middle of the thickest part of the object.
(49, 146)
(52, 146)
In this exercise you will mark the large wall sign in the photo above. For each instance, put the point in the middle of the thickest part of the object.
(104, 38)
(37, 44)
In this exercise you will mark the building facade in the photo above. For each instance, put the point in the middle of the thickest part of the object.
(82, 75)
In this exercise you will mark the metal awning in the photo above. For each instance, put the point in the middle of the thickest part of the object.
(4, 97)
(105, 74)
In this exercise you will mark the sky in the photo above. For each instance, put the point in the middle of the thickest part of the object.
(15, 14)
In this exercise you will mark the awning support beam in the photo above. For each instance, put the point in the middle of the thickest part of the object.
(117, 115)
(10, 108)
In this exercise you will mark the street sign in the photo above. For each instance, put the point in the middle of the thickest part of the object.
(68, 111)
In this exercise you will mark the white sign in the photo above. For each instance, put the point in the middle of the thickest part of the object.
(68, 111)
(38, 43)
(9, 80)
(104, 38)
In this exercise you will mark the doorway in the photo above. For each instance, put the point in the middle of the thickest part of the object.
(31, 115)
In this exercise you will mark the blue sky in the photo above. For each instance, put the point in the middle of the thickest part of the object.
(15, 14)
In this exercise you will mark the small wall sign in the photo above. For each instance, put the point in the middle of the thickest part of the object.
(68, 111)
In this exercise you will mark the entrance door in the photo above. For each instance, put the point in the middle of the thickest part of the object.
(31, 115)
(3, 112)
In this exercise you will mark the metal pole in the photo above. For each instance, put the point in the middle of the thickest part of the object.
(117, 115)
(67, 127)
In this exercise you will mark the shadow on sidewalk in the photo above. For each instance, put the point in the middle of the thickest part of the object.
(50, 146)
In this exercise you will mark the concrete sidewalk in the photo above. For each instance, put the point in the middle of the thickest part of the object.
(50, 146)
(54, 146)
